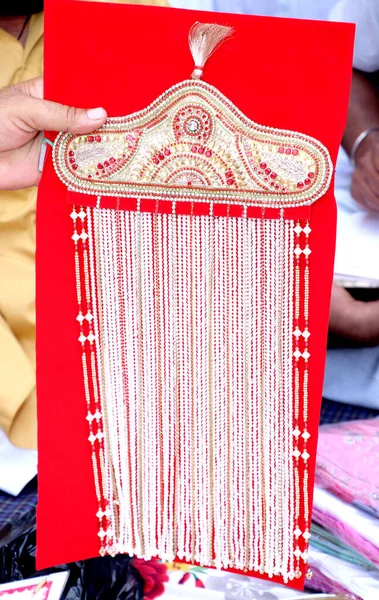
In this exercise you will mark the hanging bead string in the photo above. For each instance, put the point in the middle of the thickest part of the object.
(301, 332)
(84, 319)
(305, 434)
(200, 273)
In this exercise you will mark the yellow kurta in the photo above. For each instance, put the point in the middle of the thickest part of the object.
(17, 248)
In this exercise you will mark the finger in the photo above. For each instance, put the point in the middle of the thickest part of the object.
(362, 192)
(34, 114)
(11, 176)
(32, 87)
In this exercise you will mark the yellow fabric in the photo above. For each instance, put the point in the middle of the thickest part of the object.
(17, 248)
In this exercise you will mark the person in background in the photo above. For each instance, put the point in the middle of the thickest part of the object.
(21, 59)
(352, 374)
(300, 9)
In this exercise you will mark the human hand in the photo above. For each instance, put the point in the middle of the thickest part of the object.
(353, 319)
(365, 182)
(23, 116)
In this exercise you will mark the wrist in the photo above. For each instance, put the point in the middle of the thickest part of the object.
(363, 141)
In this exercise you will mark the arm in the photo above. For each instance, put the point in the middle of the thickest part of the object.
(363, 116)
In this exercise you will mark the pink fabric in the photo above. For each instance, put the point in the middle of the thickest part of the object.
(348, 464)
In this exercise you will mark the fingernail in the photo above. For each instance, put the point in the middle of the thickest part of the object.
(95, 114)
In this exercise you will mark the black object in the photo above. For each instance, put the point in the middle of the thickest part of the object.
(95, 579)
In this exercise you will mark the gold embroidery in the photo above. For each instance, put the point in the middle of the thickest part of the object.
(193, 144)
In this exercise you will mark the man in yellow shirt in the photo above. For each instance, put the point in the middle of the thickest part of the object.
(21, 52)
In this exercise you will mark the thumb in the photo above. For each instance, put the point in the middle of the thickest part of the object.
(37, 114)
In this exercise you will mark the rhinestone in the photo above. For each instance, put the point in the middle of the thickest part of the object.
(305, 456)
(306, 435)
(84, 236)
(297, 552)
(97, 415)
(82, 215)
(298, 229)
(193, 125)
(74, 215)
(297, 333)
(90, 418)
(75, 237)
(304, 556)
(297, 354)
(89, 317)
(296, 432)
(296, 453)
(297, 532)
(82, 338)
(91, 338)
(92, 438)
(306, 535)
(297, 251)
(80, 318)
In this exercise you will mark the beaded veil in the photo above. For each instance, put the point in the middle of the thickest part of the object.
(192, 246)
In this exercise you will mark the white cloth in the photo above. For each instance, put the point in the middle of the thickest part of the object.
(365, 14)
(364, 524)
(359, 581)
(300, 9)
(17, 466)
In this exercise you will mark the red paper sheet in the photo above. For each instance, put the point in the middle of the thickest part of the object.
(285, 73)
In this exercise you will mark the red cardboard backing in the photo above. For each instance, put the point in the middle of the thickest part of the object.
(284, 73)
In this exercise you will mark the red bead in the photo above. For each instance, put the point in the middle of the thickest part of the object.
(229, 173)
(307, 181)
(277, 187)
(263, 165)
(71, 153)
(272, 183)
(300, 185)
(161, 156)
(129, 137)
(201, 150)
(288, 150)
(208, 153)
(273, 175)
(100, 166)
(74, 167)
(281, 150)
(311, 175)
(189, 183)
(91, 138)
(230, 181)
(268, 171)
(156, 160)
(106, 164)
(112, 160)
(167, 152)
(295, 152)
(89, 176)
(98, 138)
(72, 160)
(194, 149)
